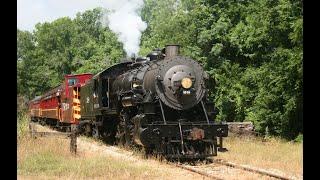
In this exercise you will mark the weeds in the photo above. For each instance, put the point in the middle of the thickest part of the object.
(22, 124)
(299, 138)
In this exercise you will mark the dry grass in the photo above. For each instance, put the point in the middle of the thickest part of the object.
(269, 154)
(49, 158)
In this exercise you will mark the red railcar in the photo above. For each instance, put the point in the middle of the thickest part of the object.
(60, 105)
(34, 107)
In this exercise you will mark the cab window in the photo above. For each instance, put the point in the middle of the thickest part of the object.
(72, 81)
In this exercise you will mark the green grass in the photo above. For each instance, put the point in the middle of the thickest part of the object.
(22, 123)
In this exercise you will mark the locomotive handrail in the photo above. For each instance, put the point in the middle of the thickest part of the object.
(162, 112)
(205, 112)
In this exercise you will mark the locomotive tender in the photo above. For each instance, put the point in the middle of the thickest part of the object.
(158, 102)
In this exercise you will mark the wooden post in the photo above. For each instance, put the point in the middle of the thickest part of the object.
(73, 143)
(32, 129)
(73, 139)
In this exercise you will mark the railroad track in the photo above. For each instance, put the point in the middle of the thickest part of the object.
(203, 173)
(220, 169)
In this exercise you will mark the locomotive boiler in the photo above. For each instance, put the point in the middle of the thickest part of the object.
(159, 102)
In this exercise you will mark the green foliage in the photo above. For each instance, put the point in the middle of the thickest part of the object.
(299, 138)
(252, 48)
(22, 124)
(22, 117)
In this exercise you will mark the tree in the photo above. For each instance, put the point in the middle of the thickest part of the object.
(253, 49)
(64, 46)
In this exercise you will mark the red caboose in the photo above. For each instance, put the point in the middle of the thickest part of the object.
(61, 105)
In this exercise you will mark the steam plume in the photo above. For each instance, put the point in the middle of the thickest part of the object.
(125, 21)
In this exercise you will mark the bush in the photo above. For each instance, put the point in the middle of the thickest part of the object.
(22, 124)
(22, 117)
(299, 138)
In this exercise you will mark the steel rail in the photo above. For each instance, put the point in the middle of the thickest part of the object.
(255, 170)
(196, 171)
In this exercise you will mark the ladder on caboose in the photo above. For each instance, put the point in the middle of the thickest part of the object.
(76, 104)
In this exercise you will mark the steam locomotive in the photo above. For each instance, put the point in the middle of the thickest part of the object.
(158, 102)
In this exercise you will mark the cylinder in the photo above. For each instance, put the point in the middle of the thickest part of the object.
(172, 50)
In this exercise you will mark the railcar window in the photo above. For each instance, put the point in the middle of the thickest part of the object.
(72, 82)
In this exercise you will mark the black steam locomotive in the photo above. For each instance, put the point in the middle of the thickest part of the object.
(158, 102)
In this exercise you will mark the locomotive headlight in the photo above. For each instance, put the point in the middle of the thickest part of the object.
(134, 85)
(186, 83)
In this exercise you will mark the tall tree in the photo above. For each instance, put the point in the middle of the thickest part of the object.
(253, 48)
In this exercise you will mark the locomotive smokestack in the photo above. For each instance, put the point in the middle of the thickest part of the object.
(172, 50)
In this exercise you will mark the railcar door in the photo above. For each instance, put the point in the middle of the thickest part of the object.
(66, 106)
(105, 93)
(97, 95)
(86, 100)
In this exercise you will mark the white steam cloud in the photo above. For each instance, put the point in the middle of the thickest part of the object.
(125, 21)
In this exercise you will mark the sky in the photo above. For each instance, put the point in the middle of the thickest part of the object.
(31, 12)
